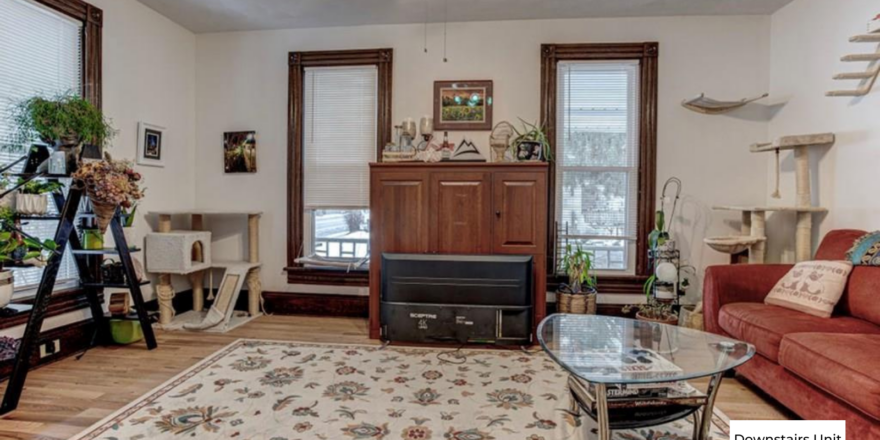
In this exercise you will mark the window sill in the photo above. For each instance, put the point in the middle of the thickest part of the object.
(308, 275)
(617, 284)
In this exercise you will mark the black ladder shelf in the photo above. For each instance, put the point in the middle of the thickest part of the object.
(90, 283)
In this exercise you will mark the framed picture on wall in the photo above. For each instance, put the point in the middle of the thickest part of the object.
(240, 152)
(151, 141)
(463, 105)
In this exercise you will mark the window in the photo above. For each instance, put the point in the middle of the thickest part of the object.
(340, 116)
(597, 143)
(339, 141)
(41, 54)
(599, 111)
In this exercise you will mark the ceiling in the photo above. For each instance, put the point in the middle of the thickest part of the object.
(204, 16)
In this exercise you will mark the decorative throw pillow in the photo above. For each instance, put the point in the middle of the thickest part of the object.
(812, 287)
(866, 250)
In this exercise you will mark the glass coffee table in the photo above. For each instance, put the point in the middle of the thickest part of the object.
(630, 374)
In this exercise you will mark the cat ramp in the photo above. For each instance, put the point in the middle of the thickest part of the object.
(222, 316)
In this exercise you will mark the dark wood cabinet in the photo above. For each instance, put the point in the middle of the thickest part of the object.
(449, 208)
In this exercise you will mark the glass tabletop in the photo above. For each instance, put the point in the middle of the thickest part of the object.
(606, 349)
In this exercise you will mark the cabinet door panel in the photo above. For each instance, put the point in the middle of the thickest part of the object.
(399, 220)
(461, 216)
(520, 204)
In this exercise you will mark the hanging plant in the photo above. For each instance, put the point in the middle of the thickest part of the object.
(109, 185)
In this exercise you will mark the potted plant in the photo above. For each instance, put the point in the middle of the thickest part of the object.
(110, 184)
(65, 121)
(579, 295)
(530, 143)
(32, 199)
(653, 311)
(17, 249)
(128, 224)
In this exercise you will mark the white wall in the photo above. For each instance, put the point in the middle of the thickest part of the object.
(808, 39)
(241, 81)
(148, 75)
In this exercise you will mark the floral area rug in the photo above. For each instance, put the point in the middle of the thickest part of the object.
(273, 390)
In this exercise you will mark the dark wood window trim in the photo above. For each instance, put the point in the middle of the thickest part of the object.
(647, 53)
(298, 62)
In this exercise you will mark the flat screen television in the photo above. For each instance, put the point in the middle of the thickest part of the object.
(479, 299)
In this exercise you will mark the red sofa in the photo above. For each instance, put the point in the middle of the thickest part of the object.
(821, 369)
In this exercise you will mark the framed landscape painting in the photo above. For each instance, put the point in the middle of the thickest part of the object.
(463, 105)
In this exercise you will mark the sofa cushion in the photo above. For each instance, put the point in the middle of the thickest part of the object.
(841, 364)
(764, 325)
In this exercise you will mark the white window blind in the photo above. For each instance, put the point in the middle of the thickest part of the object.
(597, 150)
(340, 109)
(40, 54)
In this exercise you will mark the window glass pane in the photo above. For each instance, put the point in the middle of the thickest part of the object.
(597, 159)
(595, 202)
(40, 55)
(340, 234)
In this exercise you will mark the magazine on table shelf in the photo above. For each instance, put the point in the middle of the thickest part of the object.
(628, 364)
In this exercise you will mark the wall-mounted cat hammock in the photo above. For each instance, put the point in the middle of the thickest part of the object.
(709, 106)
(869, 77)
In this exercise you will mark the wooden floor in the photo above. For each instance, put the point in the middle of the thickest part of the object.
(66, 397)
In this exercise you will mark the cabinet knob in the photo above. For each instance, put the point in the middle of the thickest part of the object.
(497, 213)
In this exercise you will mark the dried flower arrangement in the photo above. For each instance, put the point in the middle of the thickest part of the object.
(110, 184)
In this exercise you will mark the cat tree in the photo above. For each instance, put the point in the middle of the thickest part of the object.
(189, 253)
(754, 218)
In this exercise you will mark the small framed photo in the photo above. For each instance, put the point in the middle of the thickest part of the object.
(151, 141)
(530, 151)
(463, 105)
(240, 152)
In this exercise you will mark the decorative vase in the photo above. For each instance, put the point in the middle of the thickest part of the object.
(31, 204)
(6, 287)
(104, 213)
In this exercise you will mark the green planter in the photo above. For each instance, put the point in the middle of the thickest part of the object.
(92, 239)
(125, 331)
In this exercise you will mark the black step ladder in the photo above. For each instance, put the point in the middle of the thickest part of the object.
(88, 265)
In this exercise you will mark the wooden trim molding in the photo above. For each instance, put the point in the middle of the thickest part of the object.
(63, 301)
(383, 59)
(74, 339)
(647, 54)
(92, 19)
(289, 303)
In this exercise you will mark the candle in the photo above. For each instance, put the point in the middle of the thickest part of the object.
(409, 128)
(426, 126)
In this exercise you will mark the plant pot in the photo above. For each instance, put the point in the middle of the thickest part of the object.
(92, 239)
(669, 319)
(31, 204)
(104, 213)
(130, 239)
(8, 201)
(576, 303)
(691, 317)
(6, 287)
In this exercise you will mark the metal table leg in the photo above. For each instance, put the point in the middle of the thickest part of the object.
(701, 429)
(602, 412)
